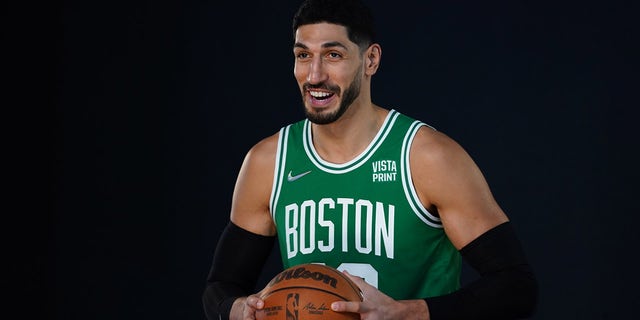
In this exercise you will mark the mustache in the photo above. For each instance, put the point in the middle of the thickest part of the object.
(324, 86)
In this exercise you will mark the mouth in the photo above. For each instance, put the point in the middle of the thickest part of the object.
(320, 97)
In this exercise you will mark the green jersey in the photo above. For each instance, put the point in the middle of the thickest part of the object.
(363, 216)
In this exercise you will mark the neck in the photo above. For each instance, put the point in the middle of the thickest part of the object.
(346, 138)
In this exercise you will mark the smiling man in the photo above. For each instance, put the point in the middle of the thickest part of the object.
(329, 71)
(384, 197)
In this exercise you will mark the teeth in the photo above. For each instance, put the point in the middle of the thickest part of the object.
(319, 94)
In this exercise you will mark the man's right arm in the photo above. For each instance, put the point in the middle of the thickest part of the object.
(247, 241)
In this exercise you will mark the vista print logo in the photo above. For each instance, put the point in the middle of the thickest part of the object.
(384, 171)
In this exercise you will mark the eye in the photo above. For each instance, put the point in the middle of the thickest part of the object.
(334, 55)
(302, 55)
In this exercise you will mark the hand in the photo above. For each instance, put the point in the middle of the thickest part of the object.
(245, 308)
(378, 306)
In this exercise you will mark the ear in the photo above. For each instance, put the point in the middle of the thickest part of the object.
(372, 59)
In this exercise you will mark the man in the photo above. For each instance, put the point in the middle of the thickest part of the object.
(391, 201)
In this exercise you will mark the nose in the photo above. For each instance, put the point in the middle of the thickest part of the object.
(317, 73)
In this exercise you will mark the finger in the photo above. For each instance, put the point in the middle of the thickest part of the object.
(255, 302)
(357, 280)
(346, 306)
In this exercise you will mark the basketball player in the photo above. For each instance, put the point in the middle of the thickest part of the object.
(391, 201)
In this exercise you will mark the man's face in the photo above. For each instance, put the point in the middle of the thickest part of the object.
(328, 68)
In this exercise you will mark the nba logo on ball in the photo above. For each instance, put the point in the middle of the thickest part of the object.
(306, 292)
(293, 300)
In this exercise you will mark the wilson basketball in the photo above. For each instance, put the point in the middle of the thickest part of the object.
(305, 292)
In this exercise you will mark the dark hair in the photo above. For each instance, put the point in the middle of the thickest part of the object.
(352, 14)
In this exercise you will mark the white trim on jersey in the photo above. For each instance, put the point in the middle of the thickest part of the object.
(278, 170)
(356, 162)
(407, 185)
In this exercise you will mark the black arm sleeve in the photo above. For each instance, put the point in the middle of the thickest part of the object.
(507, 287)
(237, 263)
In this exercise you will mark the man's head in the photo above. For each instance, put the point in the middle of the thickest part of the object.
(335, 56)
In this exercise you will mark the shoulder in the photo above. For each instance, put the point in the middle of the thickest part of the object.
(435, 147)
(439, 166)
(263, 153)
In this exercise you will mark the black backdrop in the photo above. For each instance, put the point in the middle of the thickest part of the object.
(156, 104)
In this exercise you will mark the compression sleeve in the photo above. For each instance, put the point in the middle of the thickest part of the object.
(507, 287)
(236, 267)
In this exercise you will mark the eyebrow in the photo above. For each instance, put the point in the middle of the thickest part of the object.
(324, 45)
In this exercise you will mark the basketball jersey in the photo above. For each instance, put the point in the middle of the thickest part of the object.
(363, 216)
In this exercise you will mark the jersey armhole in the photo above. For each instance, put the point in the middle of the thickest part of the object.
(407, 182)
(278, 170)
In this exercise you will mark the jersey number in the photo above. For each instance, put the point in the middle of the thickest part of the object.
(362, 270)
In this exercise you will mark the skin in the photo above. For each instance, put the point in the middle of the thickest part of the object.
(447, 180)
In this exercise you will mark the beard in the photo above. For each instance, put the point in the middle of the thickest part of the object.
(348, 97)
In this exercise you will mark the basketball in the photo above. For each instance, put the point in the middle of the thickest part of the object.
(305, 292)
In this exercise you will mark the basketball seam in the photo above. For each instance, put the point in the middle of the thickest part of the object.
(352, 284)
(306, 287)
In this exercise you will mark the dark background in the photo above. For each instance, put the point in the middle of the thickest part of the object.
(156, 103)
